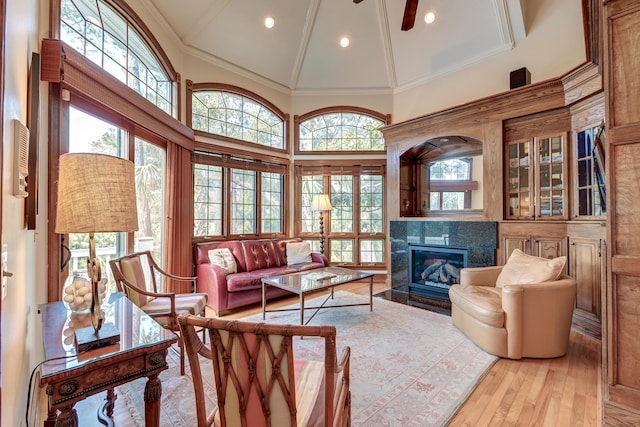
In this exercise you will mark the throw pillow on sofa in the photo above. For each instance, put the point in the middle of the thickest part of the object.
(298, 252)
(222, 257)
(522, 269)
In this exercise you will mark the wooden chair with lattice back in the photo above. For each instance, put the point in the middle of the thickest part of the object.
(135, 275)
(258, 381)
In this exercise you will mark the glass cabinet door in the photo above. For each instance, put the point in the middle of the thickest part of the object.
(551, 177)
(536, 178)
(520, 180)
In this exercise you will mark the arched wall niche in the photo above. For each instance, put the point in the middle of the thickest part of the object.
(442, 176)
(483, 139)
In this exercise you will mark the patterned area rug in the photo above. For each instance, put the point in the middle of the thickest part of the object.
(409, 367)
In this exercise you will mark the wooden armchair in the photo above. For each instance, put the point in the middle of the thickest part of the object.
(259, 382)
(132, 273)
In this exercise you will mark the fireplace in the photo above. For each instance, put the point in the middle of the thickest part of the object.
(433, 269)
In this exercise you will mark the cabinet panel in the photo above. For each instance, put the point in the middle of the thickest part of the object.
(549, 246)
(546, 241)
(585, 265)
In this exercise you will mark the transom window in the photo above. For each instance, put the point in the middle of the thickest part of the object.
(104, 36)
(338, 129)
(237, 116)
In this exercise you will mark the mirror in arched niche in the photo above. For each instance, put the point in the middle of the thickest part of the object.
(442, 175)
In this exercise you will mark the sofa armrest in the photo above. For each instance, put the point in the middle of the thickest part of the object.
(480, 276)
(212, 280)
(320, 258)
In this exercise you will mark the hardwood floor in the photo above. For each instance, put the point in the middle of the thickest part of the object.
(528, 392)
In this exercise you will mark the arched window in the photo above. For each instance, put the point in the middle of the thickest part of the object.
(340, 129)
(104, 35)
(236, 113)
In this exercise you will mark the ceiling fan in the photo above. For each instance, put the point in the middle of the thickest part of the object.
(409, 17)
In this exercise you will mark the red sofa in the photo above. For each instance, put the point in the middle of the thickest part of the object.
(255, 259)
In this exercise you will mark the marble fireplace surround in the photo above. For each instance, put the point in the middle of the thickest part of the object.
(479, 237)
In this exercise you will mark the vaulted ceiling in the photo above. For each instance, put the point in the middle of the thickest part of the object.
(302, 51)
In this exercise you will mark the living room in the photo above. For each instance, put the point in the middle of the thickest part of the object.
(560, 42)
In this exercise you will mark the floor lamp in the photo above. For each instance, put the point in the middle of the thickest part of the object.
(96, 194)
(321, 203)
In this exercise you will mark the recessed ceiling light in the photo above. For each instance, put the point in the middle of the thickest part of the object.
(430, 17)
(269, 22)
(344, 42)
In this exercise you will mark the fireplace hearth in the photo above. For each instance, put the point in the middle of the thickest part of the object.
(433, 269)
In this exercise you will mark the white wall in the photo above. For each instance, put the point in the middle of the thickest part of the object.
(27, 287)
(553, 47)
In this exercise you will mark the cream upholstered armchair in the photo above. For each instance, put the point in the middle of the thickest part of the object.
(521, 309)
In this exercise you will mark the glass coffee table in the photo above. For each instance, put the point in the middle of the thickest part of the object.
(312, 281)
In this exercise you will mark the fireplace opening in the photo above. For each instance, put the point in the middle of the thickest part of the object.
(433, 269)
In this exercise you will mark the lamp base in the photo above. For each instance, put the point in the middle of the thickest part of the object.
(87, 338)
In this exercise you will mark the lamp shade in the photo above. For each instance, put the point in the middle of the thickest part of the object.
(96, 194)
(321, 202)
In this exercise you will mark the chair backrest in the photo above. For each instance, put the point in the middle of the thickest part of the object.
(255, 374)
(133, 272)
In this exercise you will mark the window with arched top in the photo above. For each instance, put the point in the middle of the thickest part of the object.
(236, 113)
(110, 38)
(450, 184)
(340, 129)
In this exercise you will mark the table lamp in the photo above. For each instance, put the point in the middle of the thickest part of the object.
(321, 203)
(96, 194)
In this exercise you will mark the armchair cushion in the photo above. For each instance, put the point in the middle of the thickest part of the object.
(522, 269)
(483, 303)
(190, 303)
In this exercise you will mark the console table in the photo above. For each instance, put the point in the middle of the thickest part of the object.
(141, 352)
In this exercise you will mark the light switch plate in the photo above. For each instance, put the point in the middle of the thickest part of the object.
(5, 256)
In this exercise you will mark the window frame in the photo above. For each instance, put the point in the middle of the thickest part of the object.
(229, 158)
(342, 167)
(385, 118)
(192, 87)
(441, 186)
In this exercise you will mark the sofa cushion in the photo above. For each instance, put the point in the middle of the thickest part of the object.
(522, 269)
(223, 258)
(253, 280)
(304, 266)
(298, 252)
(259, 254)
(484, 303)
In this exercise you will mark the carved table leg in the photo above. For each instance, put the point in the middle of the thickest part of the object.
(67, 417)
(105, 412)
(152, 396)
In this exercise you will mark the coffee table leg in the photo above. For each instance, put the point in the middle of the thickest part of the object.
(264, 301)
(371, 293)
(302, 309)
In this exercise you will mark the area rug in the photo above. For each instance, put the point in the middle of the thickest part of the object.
(409, 367)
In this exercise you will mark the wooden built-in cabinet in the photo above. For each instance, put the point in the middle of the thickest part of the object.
(546, 241)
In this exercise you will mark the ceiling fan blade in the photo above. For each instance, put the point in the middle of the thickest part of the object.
(409, 18)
